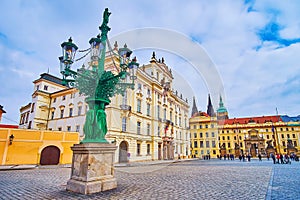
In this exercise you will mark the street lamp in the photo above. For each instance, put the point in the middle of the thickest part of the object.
(11, 138)
(97, 84)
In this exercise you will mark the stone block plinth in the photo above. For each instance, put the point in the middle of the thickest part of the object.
(92, 168)
(237, 152)
(269, 151)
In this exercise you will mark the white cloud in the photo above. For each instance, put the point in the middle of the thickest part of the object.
(34, 31)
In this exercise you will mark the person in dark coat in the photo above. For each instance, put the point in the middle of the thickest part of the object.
(281, 159)
(249, 157)
(273, 158)
(259, 157)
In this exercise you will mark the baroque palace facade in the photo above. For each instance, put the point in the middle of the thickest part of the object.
(147, 123)
(215, 134)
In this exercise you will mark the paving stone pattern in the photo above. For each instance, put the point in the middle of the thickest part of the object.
(286, 182)
(198, 179)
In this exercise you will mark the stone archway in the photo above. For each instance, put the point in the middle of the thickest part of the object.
(50, 156)
(254, 144)
(123, 152)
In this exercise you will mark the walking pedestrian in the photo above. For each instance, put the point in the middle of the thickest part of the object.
(281, 159)
(273, 158)
(259, 157)
(249, 157)
(277, 157)
(240, 157)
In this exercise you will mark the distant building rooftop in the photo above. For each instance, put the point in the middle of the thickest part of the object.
(246, 120)
(51, 78)
(1, 109)
(286, 118)
(8, 126)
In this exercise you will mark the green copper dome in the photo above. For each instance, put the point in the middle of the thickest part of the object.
(221, 108)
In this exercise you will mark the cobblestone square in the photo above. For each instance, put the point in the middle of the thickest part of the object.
(197, 179)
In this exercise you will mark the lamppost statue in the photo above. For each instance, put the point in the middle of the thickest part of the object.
(92, 163)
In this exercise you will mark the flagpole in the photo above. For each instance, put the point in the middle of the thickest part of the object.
(276, 134)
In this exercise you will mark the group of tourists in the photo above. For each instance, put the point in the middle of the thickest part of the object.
(206, 157)
(277, 158)
(226, 156)
(283, 159)
(243, 157)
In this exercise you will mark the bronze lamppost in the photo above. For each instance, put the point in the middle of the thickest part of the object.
(92, 163)
(97, 84)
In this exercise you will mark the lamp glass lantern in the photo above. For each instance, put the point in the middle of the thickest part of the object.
(124, 54)
(96, 47)
(68, 52)
(62, 65)
(133, 66)
(11, 138)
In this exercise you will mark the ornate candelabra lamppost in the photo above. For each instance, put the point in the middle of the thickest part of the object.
(92, 164)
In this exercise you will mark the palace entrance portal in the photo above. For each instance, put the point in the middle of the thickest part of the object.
(254, 144)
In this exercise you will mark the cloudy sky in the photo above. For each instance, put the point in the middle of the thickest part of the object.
(254, 47)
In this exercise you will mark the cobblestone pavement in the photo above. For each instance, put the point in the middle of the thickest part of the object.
(285, 182)
(198, 179)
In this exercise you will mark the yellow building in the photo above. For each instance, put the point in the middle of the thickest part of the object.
(19, 146)
(204, 135)
(252, 134)
(147, 123)
(220, 135)
(204, 132)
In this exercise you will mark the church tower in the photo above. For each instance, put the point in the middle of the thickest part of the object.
(210, 109)
(222, 111)
(194, 108)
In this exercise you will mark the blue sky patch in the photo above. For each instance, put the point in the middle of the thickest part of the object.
(271, 33)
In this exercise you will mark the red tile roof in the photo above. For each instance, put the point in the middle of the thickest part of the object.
(246, 120)
(8, 126)
(200, 114)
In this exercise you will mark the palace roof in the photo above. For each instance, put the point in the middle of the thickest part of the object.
(246, 120)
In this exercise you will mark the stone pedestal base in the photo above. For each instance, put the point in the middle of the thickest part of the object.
(269, 151)
(223, 152)
(237, 153)
(292, 150)
(92, 168)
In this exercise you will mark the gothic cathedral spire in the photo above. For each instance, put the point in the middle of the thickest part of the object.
(210, 109)
(194, 109)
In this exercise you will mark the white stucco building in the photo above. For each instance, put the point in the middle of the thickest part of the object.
(147, 123)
